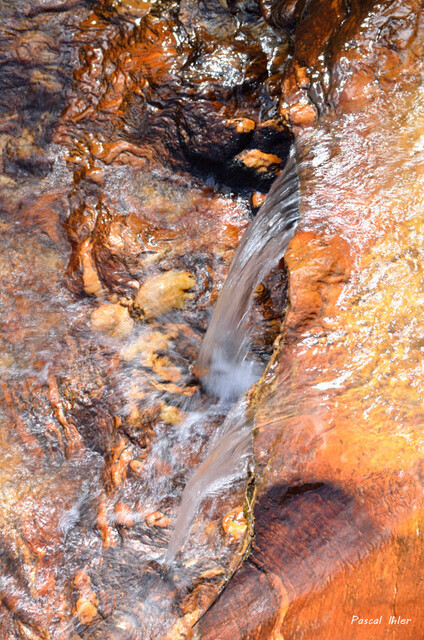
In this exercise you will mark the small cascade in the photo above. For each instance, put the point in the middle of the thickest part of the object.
(222, 363)
(226, 461)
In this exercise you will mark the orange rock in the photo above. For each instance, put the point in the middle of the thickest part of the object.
(164, 368)
(258, 199)
(86, 611)
(134, 8)
(95, 174)
(124, 515)
(171, 415)
(158, 519)
(338, 442)
(162, 293)
(120, 151)
(82, 581)
(112, 319)
(302, 114)
(106, 531)
(146, 346)
(87, 603)
(124, 226)
(234, 523)
(317, 268)
(91, 280)
(121, 456)
(137, 467)
(301, 74)
(241, 125)
(259, 160)
(170, 387)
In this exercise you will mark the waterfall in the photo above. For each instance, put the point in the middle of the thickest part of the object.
(226, 461)
(222, 362)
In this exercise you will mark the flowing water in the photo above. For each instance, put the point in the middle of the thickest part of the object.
(222, 363)
(117, 470)
(81, 468)
(223, 359)
(226, 460)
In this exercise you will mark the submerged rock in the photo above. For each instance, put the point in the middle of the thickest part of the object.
(160, 294)
(133, 138)
(112, 319)
(119, 177)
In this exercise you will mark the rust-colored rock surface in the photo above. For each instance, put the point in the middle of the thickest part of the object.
(124, 188)
(339, 413)
(135, 139)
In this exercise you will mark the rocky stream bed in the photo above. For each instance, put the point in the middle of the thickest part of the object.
(138, 138)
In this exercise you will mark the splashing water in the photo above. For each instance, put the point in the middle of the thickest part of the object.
(222, 364)
(56, 474)
(226, 461)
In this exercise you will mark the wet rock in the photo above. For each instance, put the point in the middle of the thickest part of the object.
(96, 172)
(160, 294)
(90, 277)
(158, 519)
(151, 69)
(171, 415)
(124, 514)
(112, 319)
(147, 346)
(258, 199)
(241, 125)
(147, 110)
(261, 162)
(234, 523)
(24, 154)
(136, 466)
(87, 603)
(86, 611)
(337, 443)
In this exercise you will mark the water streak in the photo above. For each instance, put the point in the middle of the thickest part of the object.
(226, 461)
(221, 363)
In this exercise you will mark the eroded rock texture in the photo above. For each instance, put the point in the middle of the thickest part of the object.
(135, 139)
(339, 413)
(134, 136)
